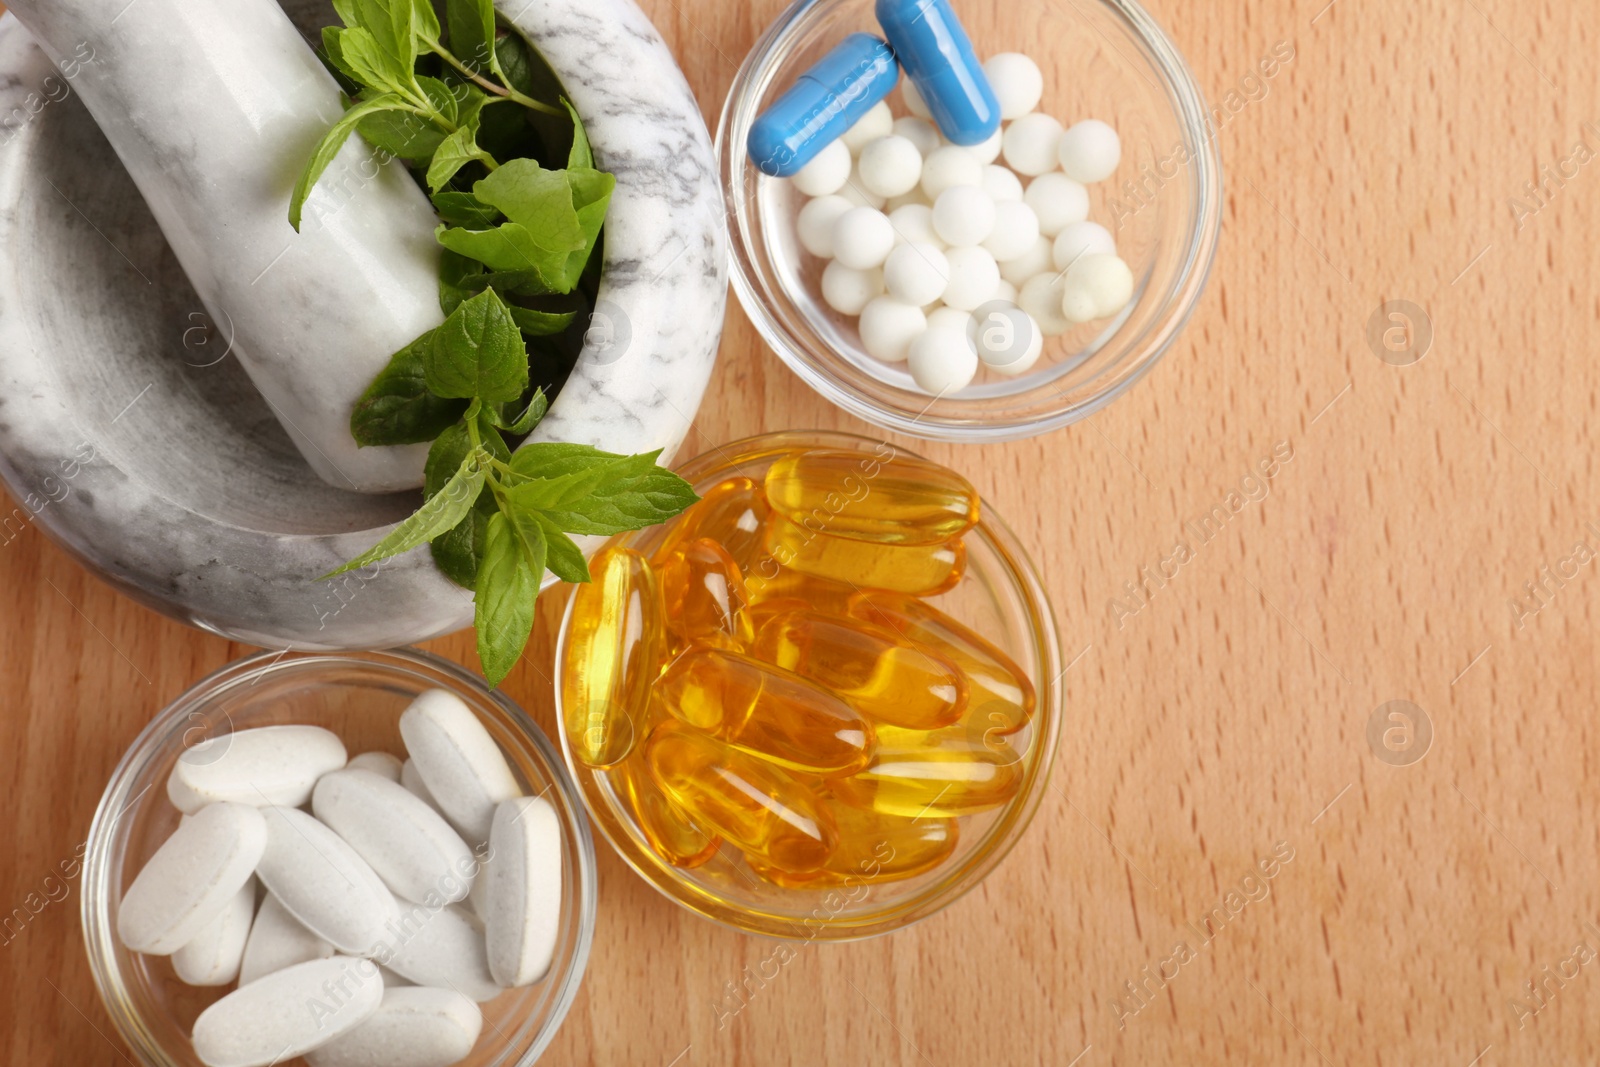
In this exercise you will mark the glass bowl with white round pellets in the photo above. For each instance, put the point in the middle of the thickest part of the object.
(974, 292)
(353, 858)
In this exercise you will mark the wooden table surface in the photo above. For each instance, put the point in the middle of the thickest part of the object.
(1218, 721)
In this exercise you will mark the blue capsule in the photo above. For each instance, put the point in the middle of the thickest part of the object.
(822, 104)
(938, 58)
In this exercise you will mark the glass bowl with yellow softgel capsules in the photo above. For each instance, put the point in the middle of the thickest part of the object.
(820, 704)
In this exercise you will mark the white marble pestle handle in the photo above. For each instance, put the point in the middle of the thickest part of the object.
(214, 107)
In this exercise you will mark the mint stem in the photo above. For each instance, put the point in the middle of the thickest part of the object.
(485, 84)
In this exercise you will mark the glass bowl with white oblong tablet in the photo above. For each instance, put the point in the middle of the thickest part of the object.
(1101, 59)
(358, 696)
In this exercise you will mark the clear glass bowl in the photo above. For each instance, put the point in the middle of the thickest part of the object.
(358, 696)
(1001, 597)
(1163, 206)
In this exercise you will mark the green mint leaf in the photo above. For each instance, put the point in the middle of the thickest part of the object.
(439, 513)
(515, 64)
(581, 154)
(346, 10)
(508, 282)
(367, 62)
(397, 408)
(542, 323)
(555, 218)
(529, 418)
(457, 551)
(507, 587)
(478, 352)
(407, 134)
(471, 24)
(392, 27)
(329, 147)
(586, 491)
(425, 23)
(455, 275)
(464, 209)
(563, 557)
(458, 149)
(333, 54)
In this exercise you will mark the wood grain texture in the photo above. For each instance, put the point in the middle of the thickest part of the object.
(1227, 713)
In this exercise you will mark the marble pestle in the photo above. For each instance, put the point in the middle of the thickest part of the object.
(213, 106)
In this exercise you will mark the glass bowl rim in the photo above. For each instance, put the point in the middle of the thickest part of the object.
(94, 907)
(1015, 816)
(1182, 294)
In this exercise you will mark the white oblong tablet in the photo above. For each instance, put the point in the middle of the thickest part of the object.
(523, 901)
(324, 883)
(270, 765)
(411, 778)
(415, 1026)
(440, 947)
(288, 1013)
(412, 848)
(459, 762)
(278, 940)
(213, 955)
(380, 763)
(191, 878)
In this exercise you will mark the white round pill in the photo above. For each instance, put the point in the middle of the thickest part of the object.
(1032, 144)
(1001, 183)
(1089, 151)
(973, 277)
(1080, 239)
(913, 99)
(826, 173)
(1106, 278)
(862, 238)
(920, 132)
(1007, 338)
(877, 122)
(1016, 228)
(951, 319)
(947, 167)
(1041, 298)
(1058, 201)
(963, 215)
(855, 190)
(890, 166)
(987, 150)
(915, 273)
(1078, 304)
(888, 326)
(1018, 269)
(1017, 81)
(942, 360)
(1005, 292)
(895, 203)
(815, 224)
(847, 290)
(914, 223)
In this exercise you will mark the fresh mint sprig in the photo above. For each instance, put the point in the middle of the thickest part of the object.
(456, 103)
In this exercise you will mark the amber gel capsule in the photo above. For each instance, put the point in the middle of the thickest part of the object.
(769, 582)
(672, 832)
(761, 808)
(898, 501)
(941, 774)
(872, 848)
(921, 570)
(1002, 697)
(613, 652)
(764, 710)
(731, 513)
(705, 596)
(877, 671)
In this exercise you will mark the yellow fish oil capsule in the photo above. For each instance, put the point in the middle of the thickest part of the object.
(872, 848)
(766, 711)
(672, 833)
(898, 501)
(877, 671)
(759, 807)
(920, 570)
(769, 583)
(1002, 698)
(614, 649)
(731, 513)
(705, 596)
(939, 775)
